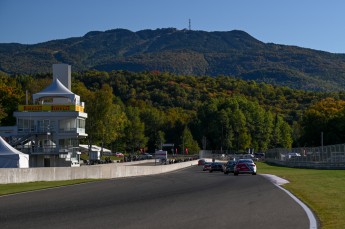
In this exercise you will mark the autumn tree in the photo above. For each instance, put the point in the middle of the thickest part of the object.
(11, 95)
(325, 116)
(106, 119)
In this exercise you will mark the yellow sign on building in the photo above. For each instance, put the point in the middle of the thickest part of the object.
(50, 108)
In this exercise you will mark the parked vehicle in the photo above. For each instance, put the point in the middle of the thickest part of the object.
(248, 156)
(207, 166)
(215, 166)
(201, 162)
(293, 155)
(245, 166)
(145, 156)
(118, 154)
(229, 167)
(149, 156)
(259, 155)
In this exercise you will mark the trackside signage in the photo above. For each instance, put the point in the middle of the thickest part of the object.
(161, 154)
(60, 108)
(50, 108)
(32, 108)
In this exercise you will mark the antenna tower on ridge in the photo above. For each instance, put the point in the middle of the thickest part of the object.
(190, 25)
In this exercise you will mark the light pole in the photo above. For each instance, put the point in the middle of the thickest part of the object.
(48, 133)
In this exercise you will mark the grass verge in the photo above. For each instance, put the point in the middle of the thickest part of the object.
(322, 190)
(31, 186)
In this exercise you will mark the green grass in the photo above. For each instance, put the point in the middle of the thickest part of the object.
(322, 190)
(31, 186)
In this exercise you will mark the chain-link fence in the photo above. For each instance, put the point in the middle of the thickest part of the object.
(326, 157)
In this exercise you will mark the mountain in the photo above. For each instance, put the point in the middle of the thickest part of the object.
(182, 52)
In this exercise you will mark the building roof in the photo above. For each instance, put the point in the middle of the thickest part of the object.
(55, 89)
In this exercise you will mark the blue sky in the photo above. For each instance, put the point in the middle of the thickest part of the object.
(316, 24)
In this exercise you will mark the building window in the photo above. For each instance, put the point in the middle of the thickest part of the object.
(81, 123)
(81, 126)
(45, 126)
(67, 125)
(69, 145)
(25, 125)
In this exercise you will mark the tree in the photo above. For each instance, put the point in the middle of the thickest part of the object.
(209, 125)
(159, 139)
(321, 117)
(242, 138)
(154, 122)
(114, 123)
(134, 130)
(187, 142)
(91, 122)
(112, 119)
(286, 139)
(224, 125)
(281, 137)
(266, 129)
(260, 125)
(11, 94)
(176, 119)
(2, 114)
(106, 120)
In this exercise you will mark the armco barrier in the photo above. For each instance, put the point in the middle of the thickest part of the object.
(105, 171)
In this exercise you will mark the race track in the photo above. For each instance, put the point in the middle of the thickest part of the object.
(188, 198)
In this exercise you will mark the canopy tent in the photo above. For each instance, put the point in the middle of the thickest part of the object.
(12, 158)
(56, 89)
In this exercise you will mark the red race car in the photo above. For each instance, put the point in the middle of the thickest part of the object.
(245, 166)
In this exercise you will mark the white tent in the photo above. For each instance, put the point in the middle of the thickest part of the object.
(56, 89)
(12, 158)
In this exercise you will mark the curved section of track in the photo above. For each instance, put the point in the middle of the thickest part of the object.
(188, 198)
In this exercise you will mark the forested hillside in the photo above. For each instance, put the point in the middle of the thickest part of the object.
(182, 52)
(135, 111)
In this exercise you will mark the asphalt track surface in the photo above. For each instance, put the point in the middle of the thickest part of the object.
(188, 198)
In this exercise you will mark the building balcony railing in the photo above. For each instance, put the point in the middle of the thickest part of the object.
(48, 150)
(45, 131)
(45, 150)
